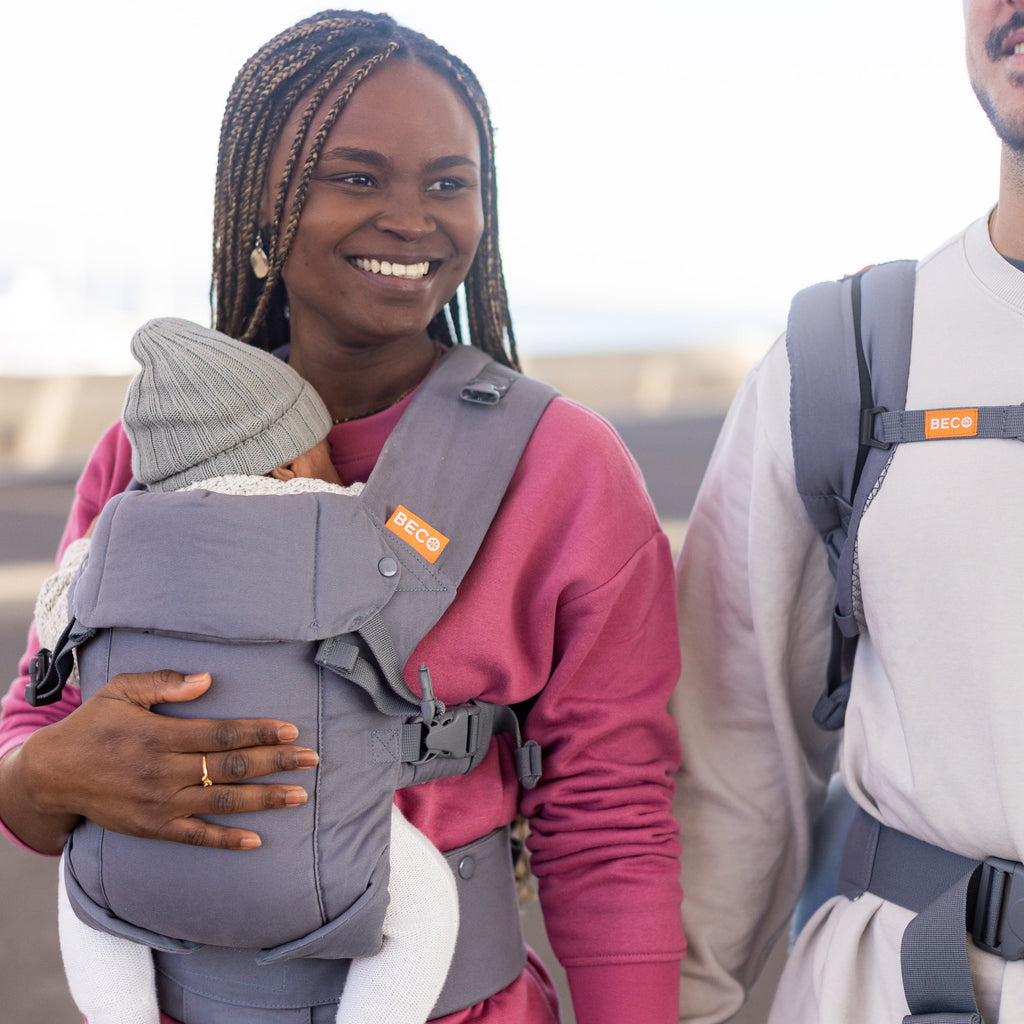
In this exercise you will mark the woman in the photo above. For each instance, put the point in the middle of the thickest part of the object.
(355, 196)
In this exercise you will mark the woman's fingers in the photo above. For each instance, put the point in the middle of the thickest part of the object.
(148, 688)
(227, 799)
(240, 765)
(202, 735)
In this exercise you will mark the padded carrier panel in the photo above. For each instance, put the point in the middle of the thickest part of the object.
(211, 585)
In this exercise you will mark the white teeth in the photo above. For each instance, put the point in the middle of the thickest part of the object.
(1019, 48)
(410, 271)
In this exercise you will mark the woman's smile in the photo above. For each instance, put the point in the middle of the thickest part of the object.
(392, 268)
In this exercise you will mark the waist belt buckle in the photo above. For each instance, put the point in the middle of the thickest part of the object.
(998, 920)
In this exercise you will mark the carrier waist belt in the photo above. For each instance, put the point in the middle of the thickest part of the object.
(215, 985)
(953, 896)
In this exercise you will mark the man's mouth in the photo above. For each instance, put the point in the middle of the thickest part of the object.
(388, 268)
(1006, 40)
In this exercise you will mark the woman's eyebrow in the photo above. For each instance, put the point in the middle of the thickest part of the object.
(361, 156)
(372, 158)
(443, 163)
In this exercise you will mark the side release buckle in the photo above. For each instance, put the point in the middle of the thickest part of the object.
(42, 688)
(997, 924)
(454, 733)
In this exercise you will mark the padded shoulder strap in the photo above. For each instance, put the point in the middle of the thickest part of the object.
(848, 343)
(448, 463)
(849, 351)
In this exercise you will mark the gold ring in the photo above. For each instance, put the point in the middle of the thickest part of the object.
(206, 780)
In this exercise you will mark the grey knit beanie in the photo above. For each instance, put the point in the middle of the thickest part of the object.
(205, 405)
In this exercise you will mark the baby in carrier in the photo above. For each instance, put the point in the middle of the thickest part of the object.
(207, 412)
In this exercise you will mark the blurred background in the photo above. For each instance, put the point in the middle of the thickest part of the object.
(670, 172)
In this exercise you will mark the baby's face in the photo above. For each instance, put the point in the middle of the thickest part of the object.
(316, 464)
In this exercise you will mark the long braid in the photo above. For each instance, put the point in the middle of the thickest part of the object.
(299, 67)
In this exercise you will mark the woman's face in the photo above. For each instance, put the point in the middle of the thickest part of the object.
(393, 215)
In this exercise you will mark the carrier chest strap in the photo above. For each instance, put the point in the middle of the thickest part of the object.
(460, 734)
(953, 897)
(882, 428)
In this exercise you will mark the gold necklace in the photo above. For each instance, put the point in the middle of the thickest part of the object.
(394, 401)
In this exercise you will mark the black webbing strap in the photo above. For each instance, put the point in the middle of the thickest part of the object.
(830, 710)
(953, 897)
(48, 671)
(863, 379)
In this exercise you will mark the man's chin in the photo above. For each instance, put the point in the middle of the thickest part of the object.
(1009, 129)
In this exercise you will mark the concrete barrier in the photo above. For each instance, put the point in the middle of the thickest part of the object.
(51, 423)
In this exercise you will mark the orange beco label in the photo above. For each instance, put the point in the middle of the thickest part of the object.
(415, 532)
(951, 423)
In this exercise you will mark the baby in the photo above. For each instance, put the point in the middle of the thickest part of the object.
(250, 425)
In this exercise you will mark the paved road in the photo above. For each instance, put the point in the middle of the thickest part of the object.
(672, 454)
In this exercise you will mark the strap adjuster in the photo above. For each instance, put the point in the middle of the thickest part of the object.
(867, 428)
(997, 924)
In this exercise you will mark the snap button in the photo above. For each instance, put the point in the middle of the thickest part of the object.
(467, 867)
(387, 566)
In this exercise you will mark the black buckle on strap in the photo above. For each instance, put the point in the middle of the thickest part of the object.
(44, 685)
(997, 924)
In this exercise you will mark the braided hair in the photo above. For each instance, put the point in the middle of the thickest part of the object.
(301, 66)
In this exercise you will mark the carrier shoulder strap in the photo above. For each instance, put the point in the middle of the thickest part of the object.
(848, 343)
(443, 473)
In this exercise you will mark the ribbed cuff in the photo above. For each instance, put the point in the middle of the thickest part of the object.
(645, 993)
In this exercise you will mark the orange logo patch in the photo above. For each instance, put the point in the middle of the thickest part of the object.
(951, 423)
(418, 534)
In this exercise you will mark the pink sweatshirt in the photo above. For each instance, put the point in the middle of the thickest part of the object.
(570, 602)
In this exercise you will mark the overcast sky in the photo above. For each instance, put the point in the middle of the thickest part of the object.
(660, 161)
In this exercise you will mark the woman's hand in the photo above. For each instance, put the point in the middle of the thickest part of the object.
(129, 770)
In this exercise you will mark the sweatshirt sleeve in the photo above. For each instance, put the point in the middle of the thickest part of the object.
(755, 597)
(603, 838)
(107, 472)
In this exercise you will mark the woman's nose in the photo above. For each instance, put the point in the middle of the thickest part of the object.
(405, 214)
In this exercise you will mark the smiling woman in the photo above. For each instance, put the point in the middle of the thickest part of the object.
(355, 200)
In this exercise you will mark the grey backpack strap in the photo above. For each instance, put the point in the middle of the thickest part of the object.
(848, 343)
(890, 427)
(953, 897)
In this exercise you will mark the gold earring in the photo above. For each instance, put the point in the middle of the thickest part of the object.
(258, 258)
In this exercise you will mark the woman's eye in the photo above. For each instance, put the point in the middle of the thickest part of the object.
(446, 185)
(354, 179)
(359, 180)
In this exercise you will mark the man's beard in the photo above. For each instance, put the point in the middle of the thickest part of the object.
(1010, 133)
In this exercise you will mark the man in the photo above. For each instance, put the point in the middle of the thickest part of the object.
(932, 744)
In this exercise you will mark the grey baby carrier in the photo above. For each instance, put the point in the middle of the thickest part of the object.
(849, 351)
(306, 608)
